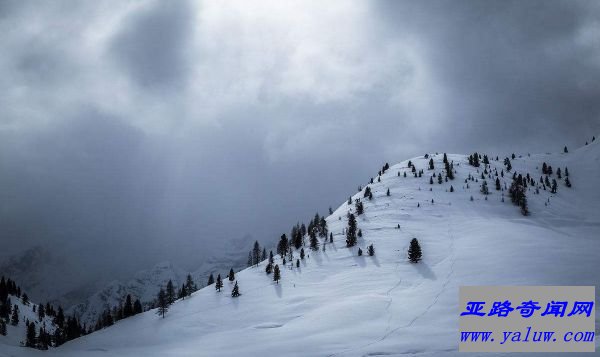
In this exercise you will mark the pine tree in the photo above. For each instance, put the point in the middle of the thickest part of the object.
(236, 290)
(351, 231)
(137, 307)
(431, 166)
(256, 253)
(282, 246)
(359, 208)
(359, 252)
(367, 192)
(330, 237)
(162, 303)
(249, 258)
(314, 242)
(388, 192)
(276, 274)
(359, 234)
(2, 327)
(231, 275)
(498, 187)
(414, 251)
(371, 250)
(211, 280)
(567, 182)
(41, 312)
(431, 180)
(554, 186)
(565, 150)
(30, 335)
(219, 283)
(190, 285)
(170, 291)
(302, 253)
(484, 188)
(14, 320)
(451, 188)
(269, 268)
(128, 307)
(440, 179)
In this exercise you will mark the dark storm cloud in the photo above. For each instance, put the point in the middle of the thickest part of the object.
(151, 45)
(132, 132)
(512, 66)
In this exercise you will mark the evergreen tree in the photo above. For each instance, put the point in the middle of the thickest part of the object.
(302, 253)
(231, 275)
(367, 191)
(414, 251)
(30, 337)
(351, 231)
(41, 312)
(256, 253)
(2, 327)
(128, 307)
(567, 182)
(566, 172)
(297, 263)
(498, 188)
(219, 283)
(440, 179)
(236, 290)
(137, 307)
(371, 250)
(565, 150)
(484, 188)
(451, 188)
(263, 257)
(359, 234)
(269, 268)
(388, 192)
(282, 246)
(14, 320)
(25, 301)
(431, 166)
(211, 280)
(276, 274)
(359, 252)
(249, 258)
(431, 180)
(554, 186)
(314, 242)
(170, 291)
(330, 237)
(190, 285)
(162, 303)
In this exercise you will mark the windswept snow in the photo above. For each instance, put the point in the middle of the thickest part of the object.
(339, 304)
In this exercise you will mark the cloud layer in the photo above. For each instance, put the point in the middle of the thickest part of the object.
(163, 127)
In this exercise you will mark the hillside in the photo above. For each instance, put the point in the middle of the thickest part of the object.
(339, 304)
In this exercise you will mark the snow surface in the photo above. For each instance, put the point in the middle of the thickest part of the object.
(339, 304)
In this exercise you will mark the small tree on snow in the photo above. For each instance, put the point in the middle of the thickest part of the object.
(236, 290)
(219, 283)
(162, 302)
(231, 275)
(276, 274)
(414, 251)
(371, 250)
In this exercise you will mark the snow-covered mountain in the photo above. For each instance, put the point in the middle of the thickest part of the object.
(146, 283)
(337, 303)
(16, 333)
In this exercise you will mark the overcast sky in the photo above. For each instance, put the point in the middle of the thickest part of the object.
(133, 132)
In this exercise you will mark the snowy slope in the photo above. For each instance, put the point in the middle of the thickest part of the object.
(15, 335)
(339, 304)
